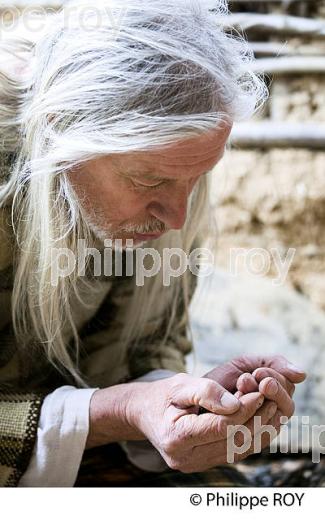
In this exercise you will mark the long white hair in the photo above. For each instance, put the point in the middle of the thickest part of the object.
(167, 72)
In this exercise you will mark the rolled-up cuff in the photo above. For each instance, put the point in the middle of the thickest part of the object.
(61, 438)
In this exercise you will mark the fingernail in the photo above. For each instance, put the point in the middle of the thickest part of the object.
(228, 400)
(272, 387)
(296, 369)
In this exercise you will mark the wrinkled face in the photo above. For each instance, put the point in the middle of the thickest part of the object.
(140, 196)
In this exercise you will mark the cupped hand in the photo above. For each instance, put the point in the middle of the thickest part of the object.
(187, 441)
(273, 376)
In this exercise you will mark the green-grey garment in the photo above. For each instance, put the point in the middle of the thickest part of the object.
(26, 376)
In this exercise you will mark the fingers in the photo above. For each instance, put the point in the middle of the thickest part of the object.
(262, 417)
(187, 391)
(261, 373)
(287, 369)
(278, 363)
(247, 383)
(208, 455)
(206, 428)
(254, 436)
(262, 439)
(250, 403)
(226, 375)
(274, 391)
(265, 440)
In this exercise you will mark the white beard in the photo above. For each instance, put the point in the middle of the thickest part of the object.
(110, 234)
(100, 233)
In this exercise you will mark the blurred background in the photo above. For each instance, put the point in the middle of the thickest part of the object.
(270, 187)
(268, 195)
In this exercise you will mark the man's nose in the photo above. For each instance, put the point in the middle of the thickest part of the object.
(172, 211)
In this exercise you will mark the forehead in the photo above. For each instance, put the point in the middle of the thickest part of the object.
(188, 156)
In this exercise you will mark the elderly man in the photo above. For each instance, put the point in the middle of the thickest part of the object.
(109, 134)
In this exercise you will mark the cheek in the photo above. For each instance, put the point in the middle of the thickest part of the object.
(122, 204)
(110, 197)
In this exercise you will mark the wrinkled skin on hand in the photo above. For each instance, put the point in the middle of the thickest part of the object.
(273, 376)
(189, 441)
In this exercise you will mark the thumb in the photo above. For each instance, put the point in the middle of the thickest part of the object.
(198, 391)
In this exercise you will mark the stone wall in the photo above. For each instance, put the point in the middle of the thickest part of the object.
(275, 198)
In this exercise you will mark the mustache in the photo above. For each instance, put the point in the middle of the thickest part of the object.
(148, 228)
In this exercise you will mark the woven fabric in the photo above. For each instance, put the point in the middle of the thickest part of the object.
(19, 415)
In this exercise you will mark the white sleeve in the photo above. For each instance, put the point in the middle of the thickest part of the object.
(142, 453)
(61, 438)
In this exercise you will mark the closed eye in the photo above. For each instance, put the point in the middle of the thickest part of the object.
(138, 184)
